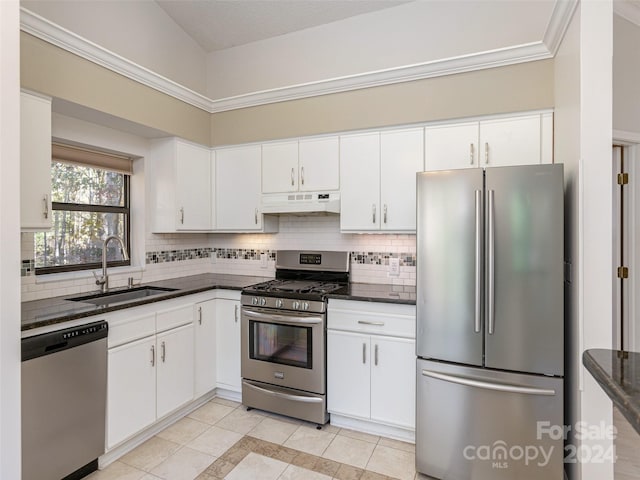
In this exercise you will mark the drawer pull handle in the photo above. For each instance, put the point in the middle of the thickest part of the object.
(368, 322)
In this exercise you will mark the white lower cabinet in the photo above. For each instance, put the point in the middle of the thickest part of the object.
(371, 366)
(205, 347)
(131, 393)
(150, 367)
(174, 379)
(227, 316)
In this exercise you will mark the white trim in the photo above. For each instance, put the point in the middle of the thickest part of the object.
(48, 31)
(628, 11)
(558, 24)
(625, 137)
(465, 63)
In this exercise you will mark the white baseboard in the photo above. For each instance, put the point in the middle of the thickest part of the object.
(374, 428)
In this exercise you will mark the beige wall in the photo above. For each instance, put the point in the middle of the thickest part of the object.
(53, 71)
(626, 75)
(519, 87)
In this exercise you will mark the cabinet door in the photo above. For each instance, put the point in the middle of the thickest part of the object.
(451, 146)
(175, 369)
(348, 370)
(393, 381)
(205, 347)
(280, 167)
(228, 344)
(35, 162)
(238, 189)
(360, 182)
(131, 392)
(401, 157)
(319, 164)
(193, 188)
(510, 141)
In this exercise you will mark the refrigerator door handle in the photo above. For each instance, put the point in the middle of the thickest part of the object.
(500, 387)
(478, 263)
(491, 314)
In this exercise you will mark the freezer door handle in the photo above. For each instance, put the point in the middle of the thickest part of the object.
(500, 387)
(478, 263)
(491, 313)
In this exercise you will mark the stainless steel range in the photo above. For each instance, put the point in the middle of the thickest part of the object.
(284, 334)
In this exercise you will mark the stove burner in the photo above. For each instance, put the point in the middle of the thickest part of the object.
(295, 286)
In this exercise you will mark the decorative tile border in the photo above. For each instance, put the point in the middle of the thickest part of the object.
(244, 254)
(165, 256)
(27, 268)
(222, 466)
(381, 258)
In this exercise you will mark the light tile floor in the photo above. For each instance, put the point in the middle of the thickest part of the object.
(221, 440)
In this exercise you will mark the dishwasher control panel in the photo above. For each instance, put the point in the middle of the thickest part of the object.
(84, 330)
(63, 339)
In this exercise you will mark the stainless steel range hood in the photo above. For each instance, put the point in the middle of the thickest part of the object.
(301, 203)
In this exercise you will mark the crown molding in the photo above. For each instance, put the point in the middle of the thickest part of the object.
(464, 63)
(627, 10)
(56, 35)
(48, 31)
(563, 11)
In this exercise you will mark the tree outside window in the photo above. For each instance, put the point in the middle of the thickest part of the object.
(88, 205)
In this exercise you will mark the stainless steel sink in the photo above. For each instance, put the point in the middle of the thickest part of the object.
(121, 296)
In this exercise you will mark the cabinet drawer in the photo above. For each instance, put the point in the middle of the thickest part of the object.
(370, 317)
(124, 330)
(174, 317)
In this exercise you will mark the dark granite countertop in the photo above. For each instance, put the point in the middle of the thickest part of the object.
(373, 292)
(618, 373)
(50, 311)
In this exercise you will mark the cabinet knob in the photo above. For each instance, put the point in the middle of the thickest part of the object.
(373, 213)
(302, 175)
(471, 153)
(364, 353)
(182, 215)
(486, 153)
(200, 315)
(385, 213)
(153, 355)
(292, 181)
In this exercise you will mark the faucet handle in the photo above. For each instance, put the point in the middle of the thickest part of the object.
(100, 280)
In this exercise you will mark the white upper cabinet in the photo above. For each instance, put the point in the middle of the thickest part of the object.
(319, 164)
(451, 146)
(238, 191)
(280, 167)
(360, 182)
(308, 165)
(401, 157)
(35, 162)
(378, 180)
(507, 141)
(181, 186)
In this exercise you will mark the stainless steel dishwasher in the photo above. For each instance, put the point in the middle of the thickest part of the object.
(64, 395)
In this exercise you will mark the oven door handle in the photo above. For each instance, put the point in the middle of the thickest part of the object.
(277, 318)
(284, 396)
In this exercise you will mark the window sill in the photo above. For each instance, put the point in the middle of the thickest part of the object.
(85, 274)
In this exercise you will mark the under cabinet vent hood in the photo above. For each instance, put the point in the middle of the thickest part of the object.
(301, 202)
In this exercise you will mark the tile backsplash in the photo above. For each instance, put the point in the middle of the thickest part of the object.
(174, 255)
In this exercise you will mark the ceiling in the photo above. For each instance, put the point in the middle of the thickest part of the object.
(220, 24)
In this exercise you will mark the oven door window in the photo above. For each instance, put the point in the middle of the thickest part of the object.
(283, 344)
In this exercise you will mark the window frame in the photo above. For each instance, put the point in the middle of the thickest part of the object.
(85, 207)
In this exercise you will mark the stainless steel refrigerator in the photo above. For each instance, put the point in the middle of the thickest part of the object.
(490, 329)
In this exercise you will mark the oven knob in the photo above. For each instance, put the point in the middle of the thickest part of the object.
(254, 301)
(263, 301)
(279, 303)
(296, 305)
(305, 306)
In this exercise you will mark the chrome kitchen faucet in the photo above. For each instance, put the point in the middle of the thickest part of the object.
(104, 280)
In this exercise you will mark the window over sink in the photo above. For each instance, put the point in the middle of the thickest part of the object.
(90, 200)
